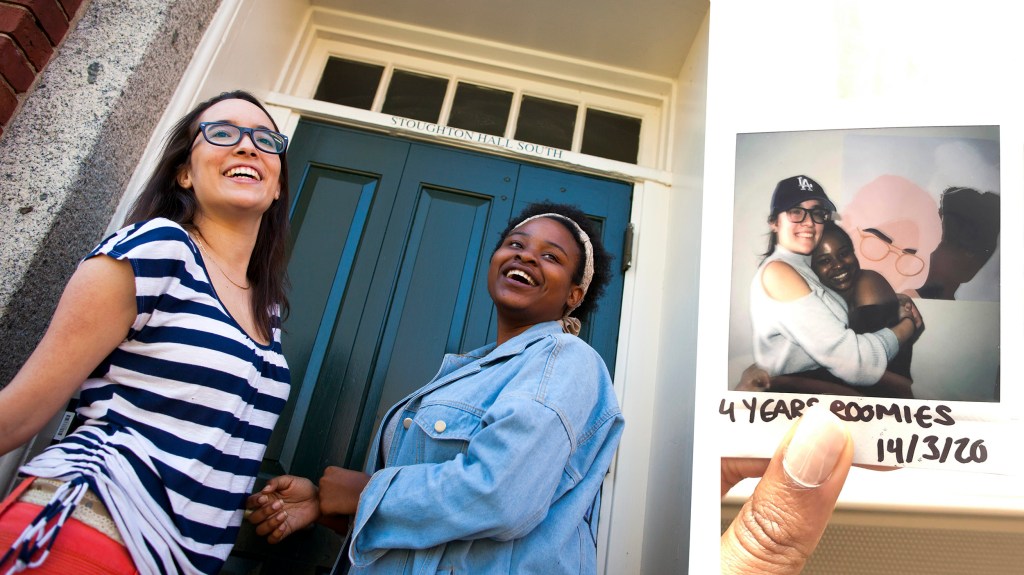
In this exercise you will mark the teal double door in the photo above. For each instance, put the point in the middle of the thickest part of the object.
(392, 240)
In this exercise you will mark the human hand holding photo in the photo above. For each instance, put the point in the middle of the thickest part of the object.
(779, 527)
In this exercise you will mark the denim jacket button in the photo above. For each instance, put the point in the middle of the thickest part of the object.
(407, 422)
(440, 425)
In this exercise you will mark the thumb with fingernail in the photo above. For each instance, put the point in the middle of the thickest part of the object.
(778, 528)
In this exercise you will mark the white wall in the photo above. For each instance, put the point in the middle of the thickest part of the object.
(807, 65)
(667, 521)
(263, 32)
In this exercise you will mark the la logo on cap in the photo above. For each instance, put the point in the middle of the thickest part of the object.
(804, 184)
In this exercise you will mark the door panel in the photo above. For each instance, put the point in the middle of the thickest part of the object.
(419, 223)
(322, 280)
(431, 305)
(347, 190)
(448, 204)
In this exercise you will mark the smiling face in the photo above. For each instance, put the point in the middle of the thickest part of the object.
(835, 262)
(237, 177)
(802, 237)
(530, 276)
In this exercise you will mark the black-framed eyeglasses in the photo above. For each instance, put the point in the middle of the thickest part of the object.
(876, 246)
(818, 215)
(225, 134)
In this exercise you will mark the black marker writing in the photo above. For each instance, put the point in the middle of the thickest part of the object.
(932, 448)
(768, 409)
(730, 411)
(922, 416)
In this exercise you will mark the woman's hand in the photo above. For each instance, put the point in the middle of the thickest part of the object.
(754, 379)
(340, 490)
(908, 309)
(893, 385)
(780, 525)
(285, 505)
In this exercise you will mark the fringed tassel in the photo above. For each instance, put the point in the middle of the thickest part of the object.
(40, 535)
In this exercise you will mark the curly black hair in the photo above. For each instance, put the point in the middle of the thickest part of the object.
(602, 259)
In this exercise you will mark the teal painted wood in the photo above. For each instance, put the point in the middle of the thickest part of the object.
(393, 242)
(341, 206)
(325, 240)
(449, 203)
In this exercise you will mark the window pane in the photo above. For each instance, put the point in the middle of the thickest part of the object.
(415, 96)
(611, 136)
(480, 109)
(546, 122)
(349, 83)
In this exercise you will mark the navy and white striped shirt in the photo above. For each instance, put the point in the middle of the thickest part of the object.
(178, 416)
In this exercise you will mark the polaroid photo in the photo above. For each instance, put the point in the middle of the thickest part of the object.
(880, 226)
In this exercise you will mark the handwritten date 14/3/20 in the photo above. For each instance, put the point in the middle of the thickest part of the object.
(932, 448)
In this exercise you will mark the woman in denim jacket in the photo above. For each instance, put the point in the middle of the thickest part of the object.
(496, 465)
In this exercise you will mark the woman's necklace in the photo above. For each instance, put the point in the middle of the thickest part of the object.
(215, 264)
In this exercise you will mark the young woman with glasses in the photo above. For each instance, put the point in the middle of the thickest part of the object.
(799, 325)
(170, 332)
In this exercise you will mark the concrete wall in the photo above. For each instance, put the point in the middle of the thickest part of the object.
(67, 155)
(30, 31)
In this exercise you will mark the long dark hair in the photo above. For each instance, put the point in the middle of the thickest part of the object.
(602, 259)
(162, 197)
(773, 238)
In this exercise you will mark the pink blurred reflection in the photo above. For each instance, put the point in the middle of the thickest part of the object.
(905, 213)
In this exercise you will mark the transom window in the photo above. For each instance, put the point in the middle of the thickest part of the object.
(490, 110)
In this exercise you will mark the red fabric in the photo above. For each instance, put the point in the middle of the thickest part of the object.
(79, 549)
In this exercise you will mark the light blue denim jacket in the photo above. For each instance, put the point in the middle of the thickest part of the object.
(496, 465)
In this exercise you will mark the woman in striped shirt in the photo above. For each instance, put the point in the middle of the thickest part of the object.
(170, 332)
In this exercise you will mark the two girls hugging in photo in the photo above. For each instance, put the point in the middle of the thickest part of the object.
(820, 323)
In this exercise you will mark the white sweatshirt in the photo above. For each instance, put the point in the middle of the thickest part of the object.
(812, 331)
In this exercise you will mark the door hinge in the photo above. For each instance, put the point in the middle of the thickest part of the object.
(627, 247)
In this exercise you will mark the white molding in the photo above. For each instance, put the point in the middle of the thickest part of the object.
(451, 48)
(621, 538)
(329, 33)
(345, 115)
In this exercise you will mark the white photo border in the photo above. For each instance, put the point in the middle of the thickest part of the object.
(942, 427)
(796, 66)
(1001, 421)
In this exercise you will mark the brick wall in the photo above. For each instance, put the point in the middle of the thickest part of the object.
(30, 31)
